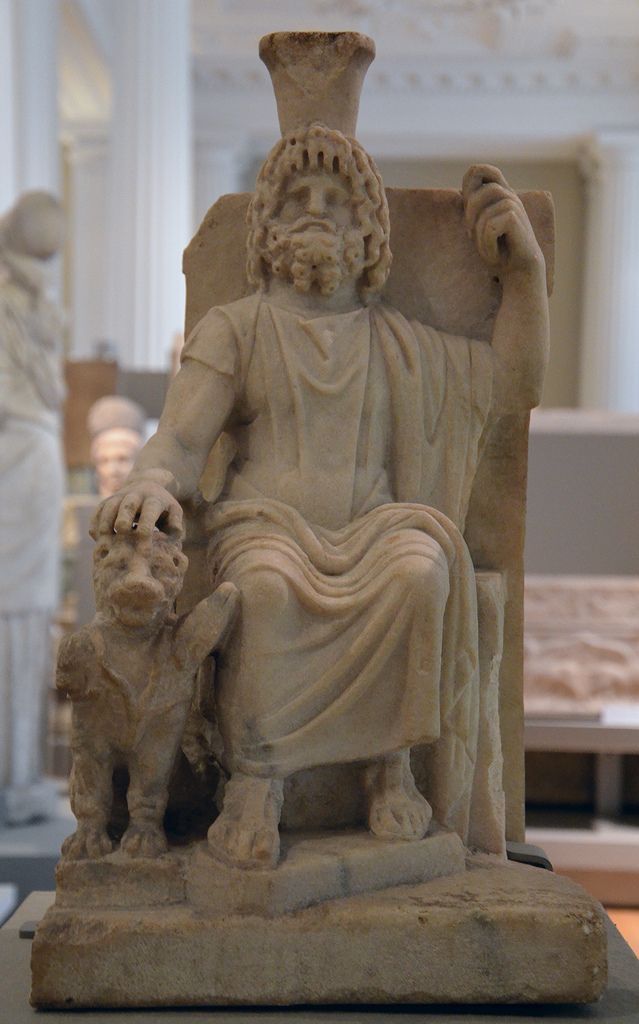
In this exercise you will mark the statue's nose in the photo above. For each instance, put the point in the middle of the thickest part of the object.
(316, 204)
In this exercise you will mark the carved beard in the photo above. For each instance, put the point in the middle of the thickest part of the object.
(315, 252)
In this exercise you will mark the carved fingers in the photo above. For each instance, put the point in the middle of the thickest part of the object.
(142, 506)
(497, 221)
(103, 518)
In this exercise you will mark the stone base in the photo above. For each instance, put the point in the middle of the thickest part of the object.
(312, 869)
(319, 868)
(496, 933)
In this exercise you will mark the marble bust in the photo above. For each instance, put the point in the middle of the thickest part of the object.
(116, 427)
(318, 456)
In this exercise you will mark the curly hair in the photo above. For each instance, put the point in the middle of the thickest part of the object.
(320, 148)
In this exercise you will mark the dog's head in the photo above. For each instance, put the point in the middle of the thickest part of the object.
(137, 579)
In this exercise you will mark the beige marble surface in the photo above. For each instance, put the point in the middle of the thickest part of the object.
(507, 932)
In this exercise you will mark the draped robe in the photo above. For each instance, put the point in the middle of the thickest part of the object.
(356, 437)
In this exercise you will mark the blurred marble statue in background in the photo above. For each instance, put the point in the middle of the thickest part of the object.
(31, 491)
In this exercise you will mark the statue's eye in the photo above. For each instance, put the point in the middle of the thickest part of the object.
(176, 562)
(103, 552)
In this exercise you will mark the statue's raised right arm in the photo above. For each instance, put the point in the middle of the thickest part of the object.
(169, 466)
(499, 225)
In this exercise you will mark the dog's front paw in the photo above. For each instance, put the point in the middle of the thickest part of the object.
(144, 841)
(88, 843)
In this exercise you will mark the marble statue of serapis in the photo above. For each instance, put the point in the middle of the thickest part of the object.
(352, 438)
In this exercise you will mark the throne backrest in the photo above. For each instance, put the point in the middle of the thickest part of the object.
(438, 278)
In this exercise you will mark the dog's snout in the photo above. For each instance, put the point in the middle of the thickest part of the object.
(140, 588)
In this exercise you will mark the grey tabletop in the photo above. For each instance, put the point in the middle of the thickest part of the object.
(620, 1004)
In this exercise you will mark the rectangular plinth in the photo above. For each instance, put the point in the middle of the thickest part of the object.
(314, 869)
(117, 882)
(494, 934)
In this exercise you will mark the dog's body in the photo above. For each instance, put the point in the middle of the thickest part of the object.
(130, 674)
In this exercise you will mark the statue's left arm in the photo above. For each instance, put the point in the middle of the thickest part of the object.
(505, 240)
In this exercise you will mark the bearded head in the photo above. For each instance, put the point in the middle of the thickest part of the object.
(319, 215)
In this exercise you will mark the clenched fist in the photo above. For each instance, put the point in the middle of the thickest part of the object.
(498, 223)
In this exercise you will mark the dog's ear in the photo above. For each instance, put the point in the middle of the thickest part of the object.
(180, 561)
(172, 546)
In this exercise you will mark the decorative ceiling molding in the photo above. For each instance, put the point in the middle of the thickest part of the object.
(532, 47)
(486, 22)
(530, 28)
(454, 77)
(551, 71)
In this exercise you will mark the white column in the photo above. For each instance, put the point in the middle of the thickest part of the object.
(88, 170)
(150, 192)
(29, 149)
(218, 170)
(8, 169)
(610, 328)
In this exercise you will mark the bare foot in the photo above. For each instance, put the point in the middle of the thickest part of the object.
(88, 842)
(396, 808)
(144, 841)
(246, 834)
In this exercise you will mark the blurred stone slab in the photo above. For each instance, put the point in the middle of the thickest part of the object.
(581, 644)
(497, 933)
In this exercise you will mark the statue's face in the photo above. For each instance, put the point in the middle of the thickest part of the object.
(314, 242)
(137, 580)
(113, 453)
(319, 199)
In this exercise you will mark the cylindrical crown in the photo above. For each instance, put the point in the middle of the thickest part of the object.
(317, 76)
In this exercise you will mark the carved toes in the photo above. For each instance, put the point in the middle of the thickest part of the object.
(87, 843)
(144, 841)
(239, 846)
(397, 816)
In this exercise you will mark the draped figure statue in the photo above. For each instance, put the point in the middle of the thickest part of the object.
(355, 436)
(31, 491)
(343, 456)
